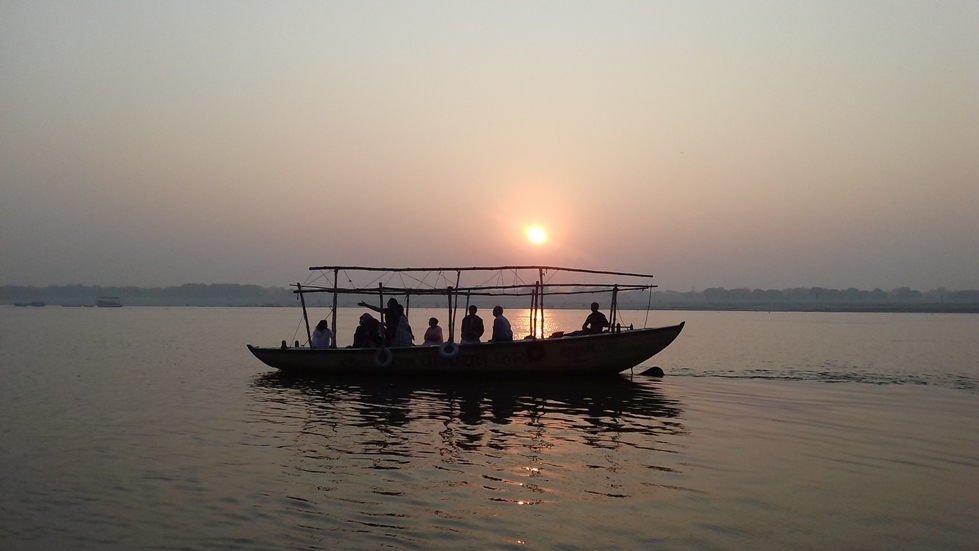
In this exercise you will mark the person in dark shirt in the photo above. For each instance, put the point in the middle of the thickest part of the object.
(367, 333)
(472, 327)
(396, 328)
(595, 323)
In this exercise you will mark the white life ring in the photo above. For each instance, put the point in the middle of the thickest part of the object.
(383, 357)
(448, 350)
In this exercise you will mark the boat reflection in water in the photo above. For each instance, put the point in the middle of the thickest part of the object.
(617, 402)
(436, 464)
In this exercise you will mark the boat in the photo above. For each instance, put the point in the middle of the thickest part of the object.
(560, 354)
(108, 302)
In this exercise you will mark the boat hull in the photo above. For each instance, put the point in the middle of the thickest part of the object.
(602, 354)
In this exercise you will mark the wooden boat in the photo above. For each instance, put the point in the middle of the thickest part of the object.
(603, 353)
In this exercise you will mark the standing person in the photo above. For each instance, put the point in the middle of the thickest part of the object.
(501, 326)
(322, 337)
(396, 327)
(596, 322)
(433, 335)
(472, 327)
(401, 335)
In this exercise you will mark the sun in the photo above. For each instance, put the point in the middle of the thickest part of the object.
(536, 235)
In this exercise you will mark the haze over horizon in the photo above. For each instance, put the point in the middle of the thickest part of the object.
(731, 144)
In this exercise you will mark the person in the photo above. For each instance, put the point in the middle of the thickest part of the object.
(322, 336)
(401, 335)
(433, 335)
(396, 328)
(501, 326)
(472, 327)
(596, 322)
(367, 334)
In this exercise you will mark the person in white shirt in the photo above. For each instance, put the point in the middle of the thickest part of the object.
(322, 336)
(501, 327)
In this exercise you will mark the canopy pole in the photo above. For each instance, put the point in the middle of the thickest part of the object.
(615, 308)
(336, 276)
(541, 299)
(382, 332)
(302, 301)
(449, 291)
(455, 310)
(533, 312)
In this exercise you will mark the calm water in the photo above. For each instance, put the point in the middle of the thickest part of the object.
(153, 428)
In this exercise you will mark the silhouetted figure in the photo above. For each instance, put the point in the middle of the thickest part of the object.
(323, 337)
(472, 327)
(596, 322)
(501, 326)
(433, 335)
(396, 327)
(368, 332)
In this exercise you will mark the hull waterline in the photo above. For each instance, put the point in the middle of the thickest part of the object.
(603, 354)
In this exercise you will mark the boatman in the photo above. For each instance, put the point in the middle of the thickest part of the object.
(595, 323)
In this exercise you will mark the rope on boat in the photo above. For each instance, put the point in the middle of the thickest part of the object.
(296, 332)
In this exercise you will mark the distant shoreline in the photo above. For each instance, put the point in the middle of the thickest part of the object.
(813, 299)
(813, 310)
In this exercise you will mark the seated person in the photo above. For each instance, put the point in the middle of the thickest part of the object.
(396, 327)
(322, 337)
(595, 323)
(367, 334)
(501, 326)
(433, 335)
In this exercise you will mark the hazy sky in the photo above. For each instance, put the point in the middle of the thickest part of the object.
(714, 144)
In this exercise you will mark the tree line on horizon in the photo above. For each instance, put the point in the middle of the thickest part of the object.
(714, 298)
(899, 299)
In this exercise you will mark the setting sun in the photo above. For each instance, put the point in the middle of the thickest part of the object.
(536, 235)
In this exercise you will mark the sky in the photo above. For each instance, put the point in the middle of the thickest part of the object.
(760, 144)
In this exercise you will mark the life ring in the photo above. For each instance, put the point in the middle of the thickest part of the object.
(535, 352)
(383, 357)
(448, 350)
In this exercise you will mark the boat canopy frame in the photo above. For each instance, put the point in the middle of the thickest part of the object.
(537, 290)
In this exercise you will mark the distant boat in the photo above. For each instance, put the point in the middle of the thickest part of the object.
(108, 302)
(560, 355)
